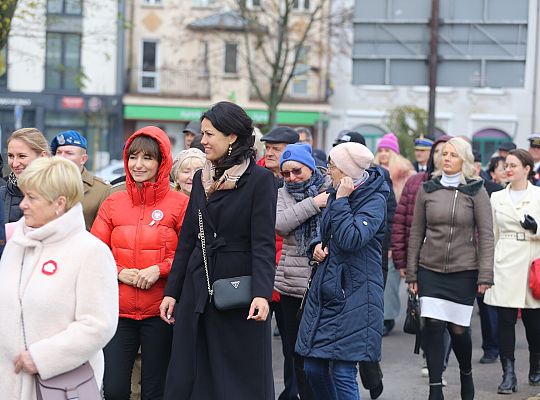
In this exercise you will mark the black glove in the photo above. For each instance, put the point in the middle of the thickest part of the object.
(529, 223)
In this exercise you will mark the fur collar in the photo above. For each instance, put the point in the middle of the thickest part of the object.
(471, 188)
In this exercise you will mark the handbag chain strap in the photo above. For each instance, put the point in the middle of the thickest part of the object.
(203, 247)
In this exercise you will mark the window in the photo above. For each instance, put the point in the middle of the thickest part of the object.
(203, 59)
(149, 74)
(250, 4)
(487, 141)
(67, 7)
(301, 5)
(231, 58)
(63, 67)
(3, 67)
(203, 3)
(299, 87)
(151, 2)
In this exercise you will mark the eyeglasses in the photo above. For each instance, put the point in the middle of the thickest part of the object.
(330, 165)
(294, 171)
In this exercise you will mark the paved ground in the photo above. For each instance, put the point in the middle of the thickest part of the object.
(401, 369)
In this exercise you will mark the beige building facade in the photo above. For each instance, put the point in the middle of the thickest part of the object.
(183, 56)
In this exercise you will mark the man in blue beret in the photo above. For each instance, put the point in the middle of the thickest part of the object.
(422, 148)
(72, 145)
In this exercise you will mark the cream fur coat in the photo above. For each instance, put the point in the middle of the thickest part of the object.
(69, 294)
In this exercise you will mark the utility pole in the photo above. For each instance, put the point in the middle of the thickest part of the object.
(433, 61)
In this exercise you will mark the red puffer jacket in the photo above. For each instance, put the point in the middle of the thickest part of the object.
(279, 243)
(403, 219)
(141, 227)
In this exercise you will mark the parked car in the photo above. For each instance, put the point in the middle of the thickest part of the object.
(114, 170)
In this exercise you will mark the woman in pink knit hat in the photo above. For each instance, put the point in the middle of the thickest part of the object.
(389, 157)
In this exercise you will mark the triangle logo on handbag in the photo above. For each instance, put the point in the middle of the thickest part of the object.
(235, 284)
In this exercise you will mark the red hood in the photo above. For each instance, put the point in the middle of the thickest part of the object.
(150, 191)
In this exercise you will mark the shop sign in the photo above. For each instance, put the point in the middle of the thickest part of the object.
(6, 101)
(72, 102)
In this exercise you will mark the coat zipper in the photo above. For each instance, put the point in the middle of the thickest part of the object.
(451, 231)
(135, 256)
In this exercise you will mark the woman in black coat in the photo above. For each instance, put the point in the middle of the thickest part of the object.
(23, 146)
(223, 354)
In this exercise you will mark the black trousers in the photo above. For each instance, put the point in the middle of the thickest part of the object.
(154, 338)
(290, 391)
(507, 318)
(289, 307)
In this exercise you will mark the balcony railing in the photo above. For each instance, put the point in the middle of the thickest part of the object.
(173, 82)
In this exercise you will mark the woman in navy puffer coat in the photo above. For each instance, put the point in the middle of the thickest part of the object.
(343, 316)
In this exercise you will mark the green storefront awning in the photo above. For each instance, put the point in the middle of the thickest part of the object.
(161, 113)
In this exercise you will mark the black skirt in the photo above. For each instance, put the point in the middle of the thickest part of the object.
(447, 296)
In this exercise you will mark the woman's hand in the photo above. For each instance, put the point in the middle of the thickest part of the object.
(413, 287)
(146, 277)
(346, 187)
(24, 362)
(321, 199)
(259, 304)
(128, 275)
(482, 288)
(166, 309)
(319, 254)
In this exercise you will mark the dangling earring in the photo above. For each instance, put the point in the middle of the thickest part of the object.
(57, 213)
(230, 149)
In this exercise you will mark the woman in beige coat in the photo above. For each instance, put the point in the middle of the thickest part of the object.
(299, 206)
(58, 289)
(517, 243)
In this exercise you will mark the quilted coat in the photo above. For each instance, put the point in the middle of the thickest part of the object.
(343, 316)
(293, 269)
(141, 227)
(403, 219)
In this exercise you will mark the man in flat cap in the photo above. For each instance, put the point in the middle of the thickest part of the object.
(422, 148)
(191, 130)
(274, 143)
(72, 146)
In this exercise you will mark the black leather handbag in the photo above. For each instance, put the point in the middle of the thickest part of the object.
(413, 322)
(227, 293)
(412, 318)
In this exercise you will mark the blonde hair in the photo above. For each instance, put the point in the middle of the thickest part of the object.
(392, 158)
(33, 138)
(53, 177)
(464, 151)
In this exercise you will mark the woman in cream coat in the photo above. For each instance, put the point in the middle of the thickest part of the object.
(516, 211)
(64, 278)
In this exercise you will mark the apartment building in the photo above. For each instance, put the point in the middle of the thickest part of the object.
(60, 70)
(183, 56)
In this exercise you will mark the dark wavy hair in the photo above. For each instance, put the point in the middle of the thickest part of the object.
(526, 160)
(228, 118)
(494, 163)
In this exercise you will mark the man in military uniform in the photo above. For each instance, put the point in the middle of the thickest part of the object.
(534, 150)
(72, 145)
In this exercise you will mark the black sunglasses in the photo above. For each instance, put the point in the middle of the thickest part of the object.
(294, 171)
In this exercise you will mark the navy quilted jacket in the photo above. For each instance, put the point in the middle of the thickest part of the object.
(343, 315)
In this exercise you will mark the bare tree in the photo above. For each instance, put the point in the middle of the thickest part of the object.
(275, 40)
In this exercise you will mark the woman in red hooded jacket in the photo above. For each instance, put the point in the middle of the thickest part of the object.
(141, 226)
